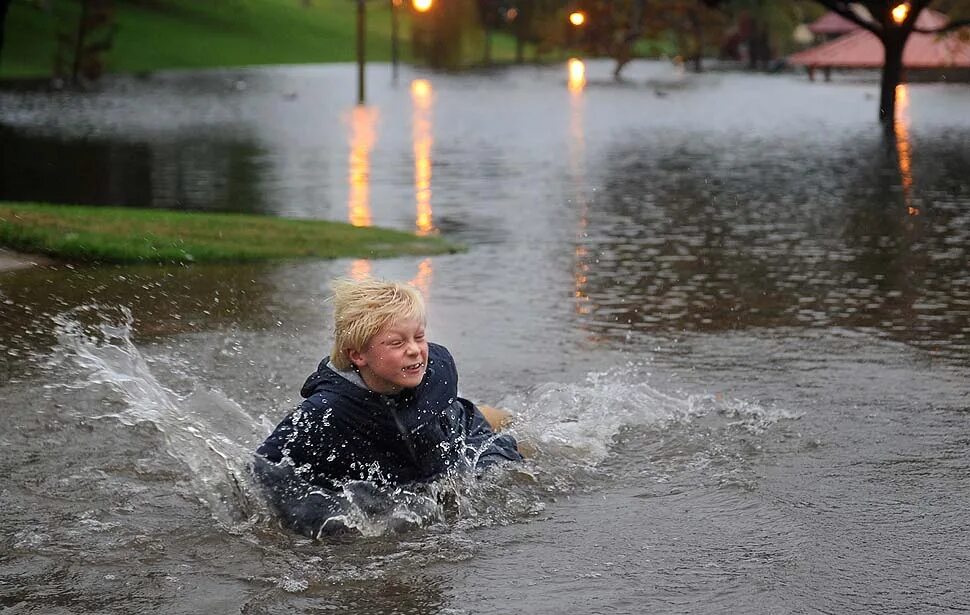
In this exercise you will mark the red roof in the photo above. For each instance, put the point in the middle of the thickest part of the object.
(832, 23)
(862, 49)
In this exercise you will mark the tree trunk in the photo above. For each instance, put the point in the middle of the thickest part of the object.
(82, 28)
(753, 44)
(698, 32)
(4, 5)
(893, 43)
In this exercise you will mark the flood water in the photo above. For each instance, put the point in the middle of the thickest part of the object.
(730, 312)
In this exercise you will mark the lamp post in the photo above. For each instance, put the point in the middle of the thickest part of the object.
(577, 22)
(421, 6)
(394, 38)
(361, 60)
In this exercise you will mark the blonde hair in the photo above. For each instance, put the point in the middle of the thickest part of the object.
(361, 308)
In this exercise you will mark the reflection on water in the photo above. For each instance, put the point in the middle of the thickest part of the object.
(687, 237)
(641, 207)
(425, 275)
(363, 134)
(704, 297)
(423, 137)
(360, 268)
(362, 143)
(577, 75)
(577, 172)
(211, 172)
(903, 146)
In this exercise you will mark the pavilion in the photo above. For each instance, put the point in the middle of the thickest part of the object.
(858, 48)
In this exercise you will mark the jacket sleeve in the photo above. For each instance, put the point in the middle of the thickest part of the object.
(303, 507)
(313, 439)
(315, 511)
(490, 448)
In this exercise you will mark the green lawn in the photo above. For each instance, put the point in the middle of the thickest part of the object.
(157, 34)
(128, 235)
(193, 34)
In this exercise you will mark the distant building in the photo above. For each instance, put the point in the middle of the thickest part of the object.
(851, 47)
(830, 26)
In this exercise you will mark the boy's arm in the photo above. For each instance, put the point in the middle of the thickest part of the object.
(492, 447)
(307, 509)
(498, 418)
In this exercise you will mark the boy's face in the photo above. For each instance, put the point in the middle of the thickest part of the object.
(395, 358)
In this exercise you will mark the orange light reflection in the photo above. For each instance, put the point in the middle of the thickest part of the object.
(904, 154)
(422, 138)
(363, 123)
(422, 280)
(577, 75)
(360, 269)
(577, 167)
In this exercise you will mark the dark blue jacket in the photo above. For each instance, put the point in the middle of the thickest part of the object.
(342, 432)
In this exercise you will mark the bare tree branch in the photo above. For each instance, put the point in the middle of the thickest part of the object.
(843, 9)
(949, 27)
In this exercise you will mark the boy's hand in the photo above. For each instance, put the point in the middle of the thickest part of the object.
(498, 419)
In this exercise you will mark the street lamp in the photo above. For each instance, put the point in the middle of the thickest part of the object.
(899, 13)
(420, 6)
(577, 18)
(394, 38)
(361, 22)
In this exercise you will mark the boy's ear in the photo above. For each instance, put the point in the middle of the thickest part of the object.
(356, 357)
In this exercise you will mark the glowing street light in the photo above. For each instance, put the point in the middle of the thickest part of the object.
(577, 18)
(899, 13)
(422, 6)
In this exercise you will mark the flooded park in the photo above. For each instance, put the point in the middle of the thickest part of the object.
(730, 311)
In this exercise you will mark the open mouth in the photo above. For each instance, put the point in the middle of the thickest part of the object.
(411, 369)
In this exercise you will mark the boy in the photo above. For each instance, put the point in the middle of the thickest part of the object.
(383, 408)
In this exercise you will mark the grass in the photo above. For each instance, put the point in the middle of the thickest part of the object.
(128, 235)
(162, 34)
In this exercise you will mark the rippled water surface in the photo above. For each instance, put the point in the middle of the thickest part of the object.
(731, 314)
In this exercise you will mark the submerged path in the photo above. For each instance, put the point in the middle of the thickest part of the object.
(10, 260)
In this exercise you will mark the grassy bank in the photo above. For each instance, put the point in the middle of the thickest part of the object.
(164, 34)
(126, 235)
(191, 34)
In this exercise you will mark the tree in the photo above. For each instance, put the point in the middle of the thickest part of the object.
(443, 35)
(763, 29)
(82, 42)
(611, 28)
(4, 6)
(692, 22)
(490, 14)
(892, 25)
(537, 22)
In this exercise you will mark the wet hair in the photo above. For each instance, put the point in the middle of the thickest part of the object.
(361, 308)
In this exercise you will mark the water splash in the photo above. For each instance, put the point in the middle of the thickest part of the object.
(573, 429)
(579, 429)
(205, 431)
